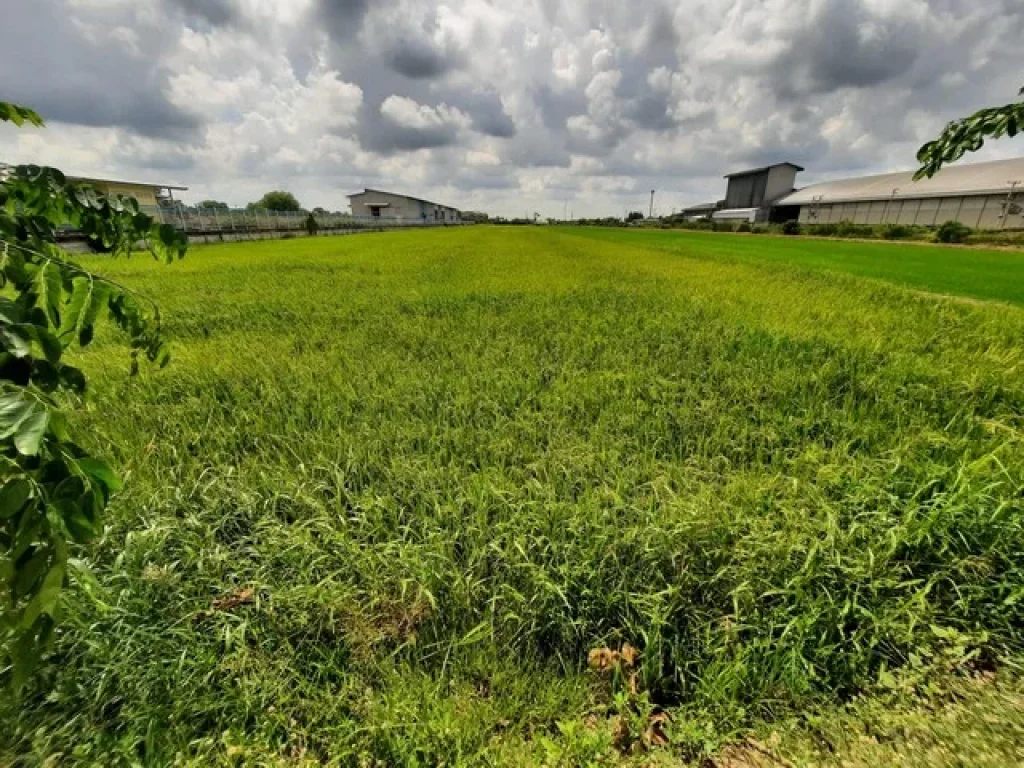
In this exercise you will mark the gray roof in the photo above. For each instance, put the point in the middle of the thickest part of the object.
(5, 169)
(762, 168)
(968, 179)
(399, 194)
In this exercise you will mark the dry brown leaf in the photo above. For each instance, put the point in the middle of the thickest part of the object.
(629, 655)
(239, 598)
(602, 659)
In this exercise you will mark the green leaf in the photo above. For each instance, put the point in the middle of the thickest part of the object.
(78, 302)
(97, 300)
(72, 378)
(45, 600)
(14, 340)
(49, 343)
(19, 115)
(29, 574)
(100, 472)
(48, 288)
(13, 497)
(16, 406)
(31, 431)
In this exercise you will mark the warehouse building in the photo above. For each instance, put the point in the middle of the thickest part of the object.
(389, 205)
(147, 194)
(979, 195)
(749, 194)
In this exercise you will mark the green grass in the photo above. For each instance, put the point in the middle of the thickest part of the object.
(973, 272)
(448, 464)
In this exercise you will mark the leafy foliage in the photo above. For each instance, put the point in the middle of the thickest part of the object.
(218, 204)
(968, 135)
(19, 115)
(278, 200)
(952, 232)
(52, 493)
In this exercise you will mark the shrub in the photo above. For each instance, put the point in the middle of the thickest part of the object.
(953, 232)
(791, 227)
(822, 230)
(849, 229)
(896, 232)
(744, 227)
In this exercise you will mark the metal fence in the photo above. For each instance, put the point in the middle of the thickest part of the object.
(198, 220)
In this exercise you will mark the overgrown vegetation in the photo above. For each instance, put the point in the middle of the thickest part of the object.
(406, 486)
(52, 492)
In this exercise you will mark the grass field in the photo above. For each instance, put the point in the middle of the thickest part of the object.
(971, 272)
(394, 489)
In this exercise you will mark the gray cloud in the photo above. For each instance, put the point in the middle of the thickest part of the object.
(575, 98)
(417, 58)
(215, 12)
(386, 135)
(342, 19)
(832, 51)
(53, 67)
(486, 111)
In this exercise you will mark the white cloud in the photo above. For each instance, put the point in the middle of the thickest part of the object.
(498, 104)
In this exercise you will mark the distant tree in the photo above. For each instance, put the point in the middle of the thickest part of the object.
(214, 204)
(634, 216)
(278, 200)
(320, 211)
(968, 135)
(311, 224)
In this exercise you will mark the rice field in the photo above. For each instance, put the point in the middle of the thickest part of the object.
(539, 496)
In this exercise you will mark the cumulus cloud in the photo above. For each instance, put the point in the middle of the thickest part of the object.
(494, 103)
(104, 69)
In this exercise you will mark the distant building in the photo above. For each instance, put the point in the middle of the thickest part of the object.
(148, 194)
(701, 211)
(750, 194)
(389, 205)
(980, 195)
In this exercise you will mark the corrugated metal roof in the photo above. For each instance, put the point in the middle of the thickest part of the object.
(5, 169)
(701, 207)
(399, 194)
(762, 168)
(94, 180)
(968, 179)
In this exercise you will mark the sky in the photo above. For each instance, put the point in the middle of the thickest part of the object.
(507, 106)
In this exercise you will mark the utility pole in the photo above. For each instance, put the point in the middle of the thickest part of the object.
(650, 213)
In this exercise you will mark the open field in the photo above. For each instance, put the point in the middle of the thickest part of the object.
(393, 489)
(974, 272)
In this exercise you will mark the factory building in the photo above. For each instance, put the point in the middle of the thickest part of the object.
(980, 195)
(750, 194)
(389, 205)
